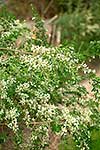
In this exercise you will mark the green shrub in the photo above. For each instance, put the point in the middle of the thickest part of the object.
(79, 23)
(40, 89)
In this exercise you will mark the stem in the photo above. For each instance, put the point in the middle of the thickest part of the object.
(47, 8)
(14, 50)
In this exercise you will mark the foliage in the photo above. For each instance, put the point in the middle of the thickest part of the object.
(40, 32)
(79, 23)
(79, 20)
(40, 89)
(95, 144)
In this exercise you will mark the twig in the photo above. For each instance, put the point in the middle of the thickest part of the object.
(14, 50)
(52, 19)
(3, 124)
(53, 34)
(32, 123)
(39, 123)
(58, 39)
(47, 8)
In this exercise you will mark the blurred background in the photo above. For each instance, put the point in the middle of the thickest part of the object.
(75, 21)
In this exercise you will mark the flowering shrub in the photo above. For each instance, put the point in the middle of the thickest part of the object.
(40, 89)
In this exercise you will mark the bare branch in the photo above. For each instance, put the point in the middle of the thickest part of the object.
(15, 50)
(47, 8)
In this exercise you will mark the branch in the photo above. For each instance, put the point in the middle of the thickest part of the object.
(47, 8)
(14, 50)
(52, 19)
(32, 123)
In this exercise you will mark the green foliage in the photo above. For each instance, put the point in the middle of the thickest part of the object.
(3, 137)
(40, 89)
(95, 140)
(80, 24)
(41, 37)
(67, 143)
